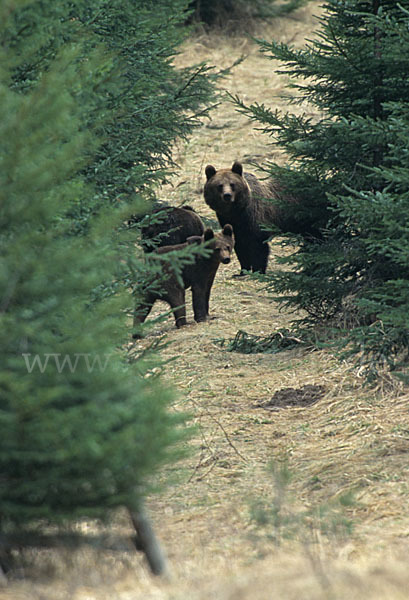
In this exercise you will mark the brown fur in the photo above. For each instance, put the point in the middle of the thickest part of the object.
(199, 276)
(170, 226)
(243, 200)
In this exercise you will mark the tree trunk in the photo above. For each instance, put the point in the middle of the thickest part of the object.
(147, 542)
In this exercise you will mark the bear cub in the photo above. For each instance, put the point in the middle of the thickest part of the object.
(199, 276)
(170, 225)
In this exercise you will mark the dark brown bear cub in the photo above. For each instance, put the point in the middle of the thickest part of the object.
(169, 225)
(199, 276)
(240, 199)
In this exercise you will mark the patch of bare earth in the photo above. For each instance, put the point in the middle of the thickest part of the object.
(302, 411)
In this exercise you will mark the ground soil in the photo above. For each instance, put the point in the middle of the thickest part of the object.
(297, 482)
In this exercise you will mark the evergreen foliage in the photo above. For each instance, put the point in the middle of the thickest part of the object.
(348, 168)
(135, 100)
(245, 343)
(82, 430)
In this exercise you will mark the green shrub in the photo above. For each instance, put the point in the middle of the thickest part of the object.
(348, 169)
(91, 106)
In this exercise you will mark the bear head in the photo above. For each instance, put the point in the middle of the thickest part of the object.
(221, 243)
(225, 188)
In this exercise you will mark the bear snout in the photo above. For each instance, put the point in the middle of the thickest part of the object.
(227, 197)
(226, 260)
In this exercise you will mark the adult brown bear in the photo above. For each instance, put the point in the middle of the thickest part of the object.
(248, 204)
(199, 276)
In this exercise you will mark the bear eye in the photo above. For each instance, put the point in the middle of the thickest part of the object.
(232, 187)
(220, 188)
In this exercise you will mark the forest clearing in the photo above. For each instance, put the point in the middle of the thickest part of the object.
(296, 483)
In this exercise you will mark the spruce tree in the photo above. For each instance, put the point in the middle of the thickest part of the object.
(82, 430)
(136, 100)
(354, 72)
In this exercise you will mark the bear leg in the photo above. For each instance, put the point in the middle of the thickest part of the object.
(141, 312)
(253, 255)
(176, 299)
(260, 258)
(209, 285)
(244, 256)
(200, 302)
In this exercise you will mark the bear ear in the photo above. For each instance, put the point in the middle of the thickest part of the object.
(194, 239)
(237, 168)
(210, 171)
(208, 234)
(228, 230)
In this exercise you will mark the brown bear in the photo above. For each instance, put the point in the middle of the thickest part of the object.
(199, 276)
(170, 225)
(242, 200)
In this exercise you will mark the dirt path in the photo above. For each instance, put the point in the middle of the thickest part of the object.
(351, 439)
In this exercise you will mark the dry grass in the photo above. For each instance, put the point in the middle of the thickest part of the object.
(353, 439)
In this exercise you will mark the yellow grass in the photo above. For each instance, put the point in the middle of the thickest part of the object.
(354, 439)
